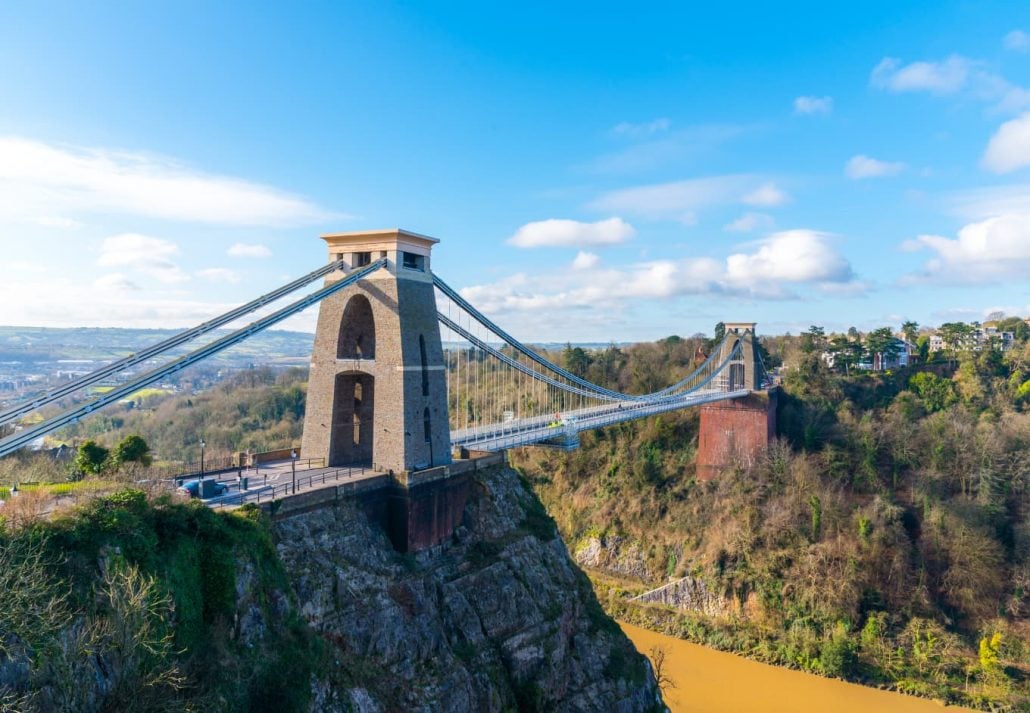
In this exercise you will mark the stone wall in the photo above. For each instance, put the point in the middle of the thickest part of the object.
(416, 509)
(689, 594)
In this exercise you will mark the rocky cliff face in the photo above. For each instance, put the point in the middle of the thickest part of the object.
(497, 619)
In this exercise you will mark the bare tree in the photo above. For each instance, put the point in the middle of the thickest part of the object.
(661, 675)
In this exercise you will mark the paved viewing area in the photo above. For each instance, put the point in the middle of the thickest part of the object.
(278, 479)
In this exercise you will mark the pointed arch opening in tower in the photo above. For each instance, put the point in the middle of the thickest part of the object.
(357, 338)
(350, 441)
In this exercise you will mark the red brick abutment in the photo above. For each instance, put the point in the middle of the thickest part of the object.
(735, 431)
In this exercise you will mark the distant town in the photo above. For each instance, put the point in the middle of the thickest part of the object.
(34, 360)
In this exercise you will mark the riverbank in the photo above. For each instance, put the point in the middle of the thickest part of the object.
(710, 681)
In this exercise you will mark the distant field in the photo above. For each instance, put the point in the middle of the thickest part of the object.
(141, 394)
(74, 488)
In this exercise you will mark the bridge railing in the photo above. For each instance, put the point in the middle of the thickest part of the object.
(515, 434)
(278, 491)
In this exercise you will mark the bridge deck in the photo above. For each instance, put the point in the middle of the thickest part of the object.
(525, 432)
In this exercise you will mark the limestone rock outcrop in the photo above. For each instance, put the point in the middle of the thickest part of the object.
(497, 619)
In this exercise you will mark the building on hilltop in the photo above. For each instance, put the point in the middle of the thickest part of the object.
(901, 354)
(976, 339)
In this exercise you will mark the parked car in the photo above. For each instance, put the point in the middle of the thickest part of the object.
(191, 488)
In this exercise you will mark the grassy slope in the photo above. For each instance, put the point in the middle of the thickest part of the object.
(194, 556)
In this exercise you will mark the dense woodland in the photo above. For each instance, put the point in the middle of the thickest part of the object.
(884, 538)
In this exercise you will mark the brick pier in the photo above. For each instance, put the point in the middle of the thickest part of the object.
(735, 431)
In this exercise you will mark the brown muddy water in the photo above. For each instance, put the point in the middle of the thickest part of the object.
(710, 681)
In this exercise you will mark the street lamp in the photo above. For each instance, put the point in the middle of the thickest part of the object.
(293, 467)
(202, 444)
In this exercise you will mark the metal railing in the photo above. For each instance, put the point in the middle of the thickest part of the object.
(229, 464)
(278, 491)
(538, 429)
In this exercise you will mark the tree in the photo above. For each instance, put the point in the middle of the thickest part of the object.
(720, 332)
(132, 449)
(911, 331)
(91, 458)
(1019, 328)
(936, 392)
(576, 360)
(846, 353)
(923, 345)
(813, 340)
(661, 675)
(990, 650)
(882, 346)
(957, 336)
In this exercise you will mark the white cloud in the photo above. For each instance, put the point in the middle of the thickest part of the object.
(115, 282)
(151, 256)
(946, 77)
(557, 232)
(979, 203)
(865, 167)
(1017, 41)
(983, 251)
(956, 74)
(72, 302)
(780, 263)
(767, 195)
(58, 222)
(1009, 148)
(748, 222)
(585, 260)
(219, 274)
(681, 200)
(42, 180)
(245, 250)
(790, 256)
(655, 126)
(813, 105)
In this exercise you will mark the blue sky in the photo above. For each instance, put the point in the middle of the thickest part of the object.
(593, 172)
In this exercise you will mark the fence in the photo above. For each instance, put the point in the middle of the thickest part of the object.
(266, 493)
(228, 465)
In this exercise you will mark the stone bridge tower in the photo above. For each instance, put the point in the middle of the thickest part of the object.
(737, 430)
(746, 372)
(377, 393)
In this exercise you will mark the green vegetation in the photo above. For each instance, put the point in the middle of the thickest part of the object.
(254, 410)
(91, 458)
(885, 538)
(143, 595)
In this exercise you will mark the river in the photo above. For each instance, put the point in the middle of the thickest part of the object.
(710, 681)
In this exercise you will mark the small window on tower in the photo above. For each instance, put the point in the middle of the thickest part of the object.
(411, 261)
(362, 259)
